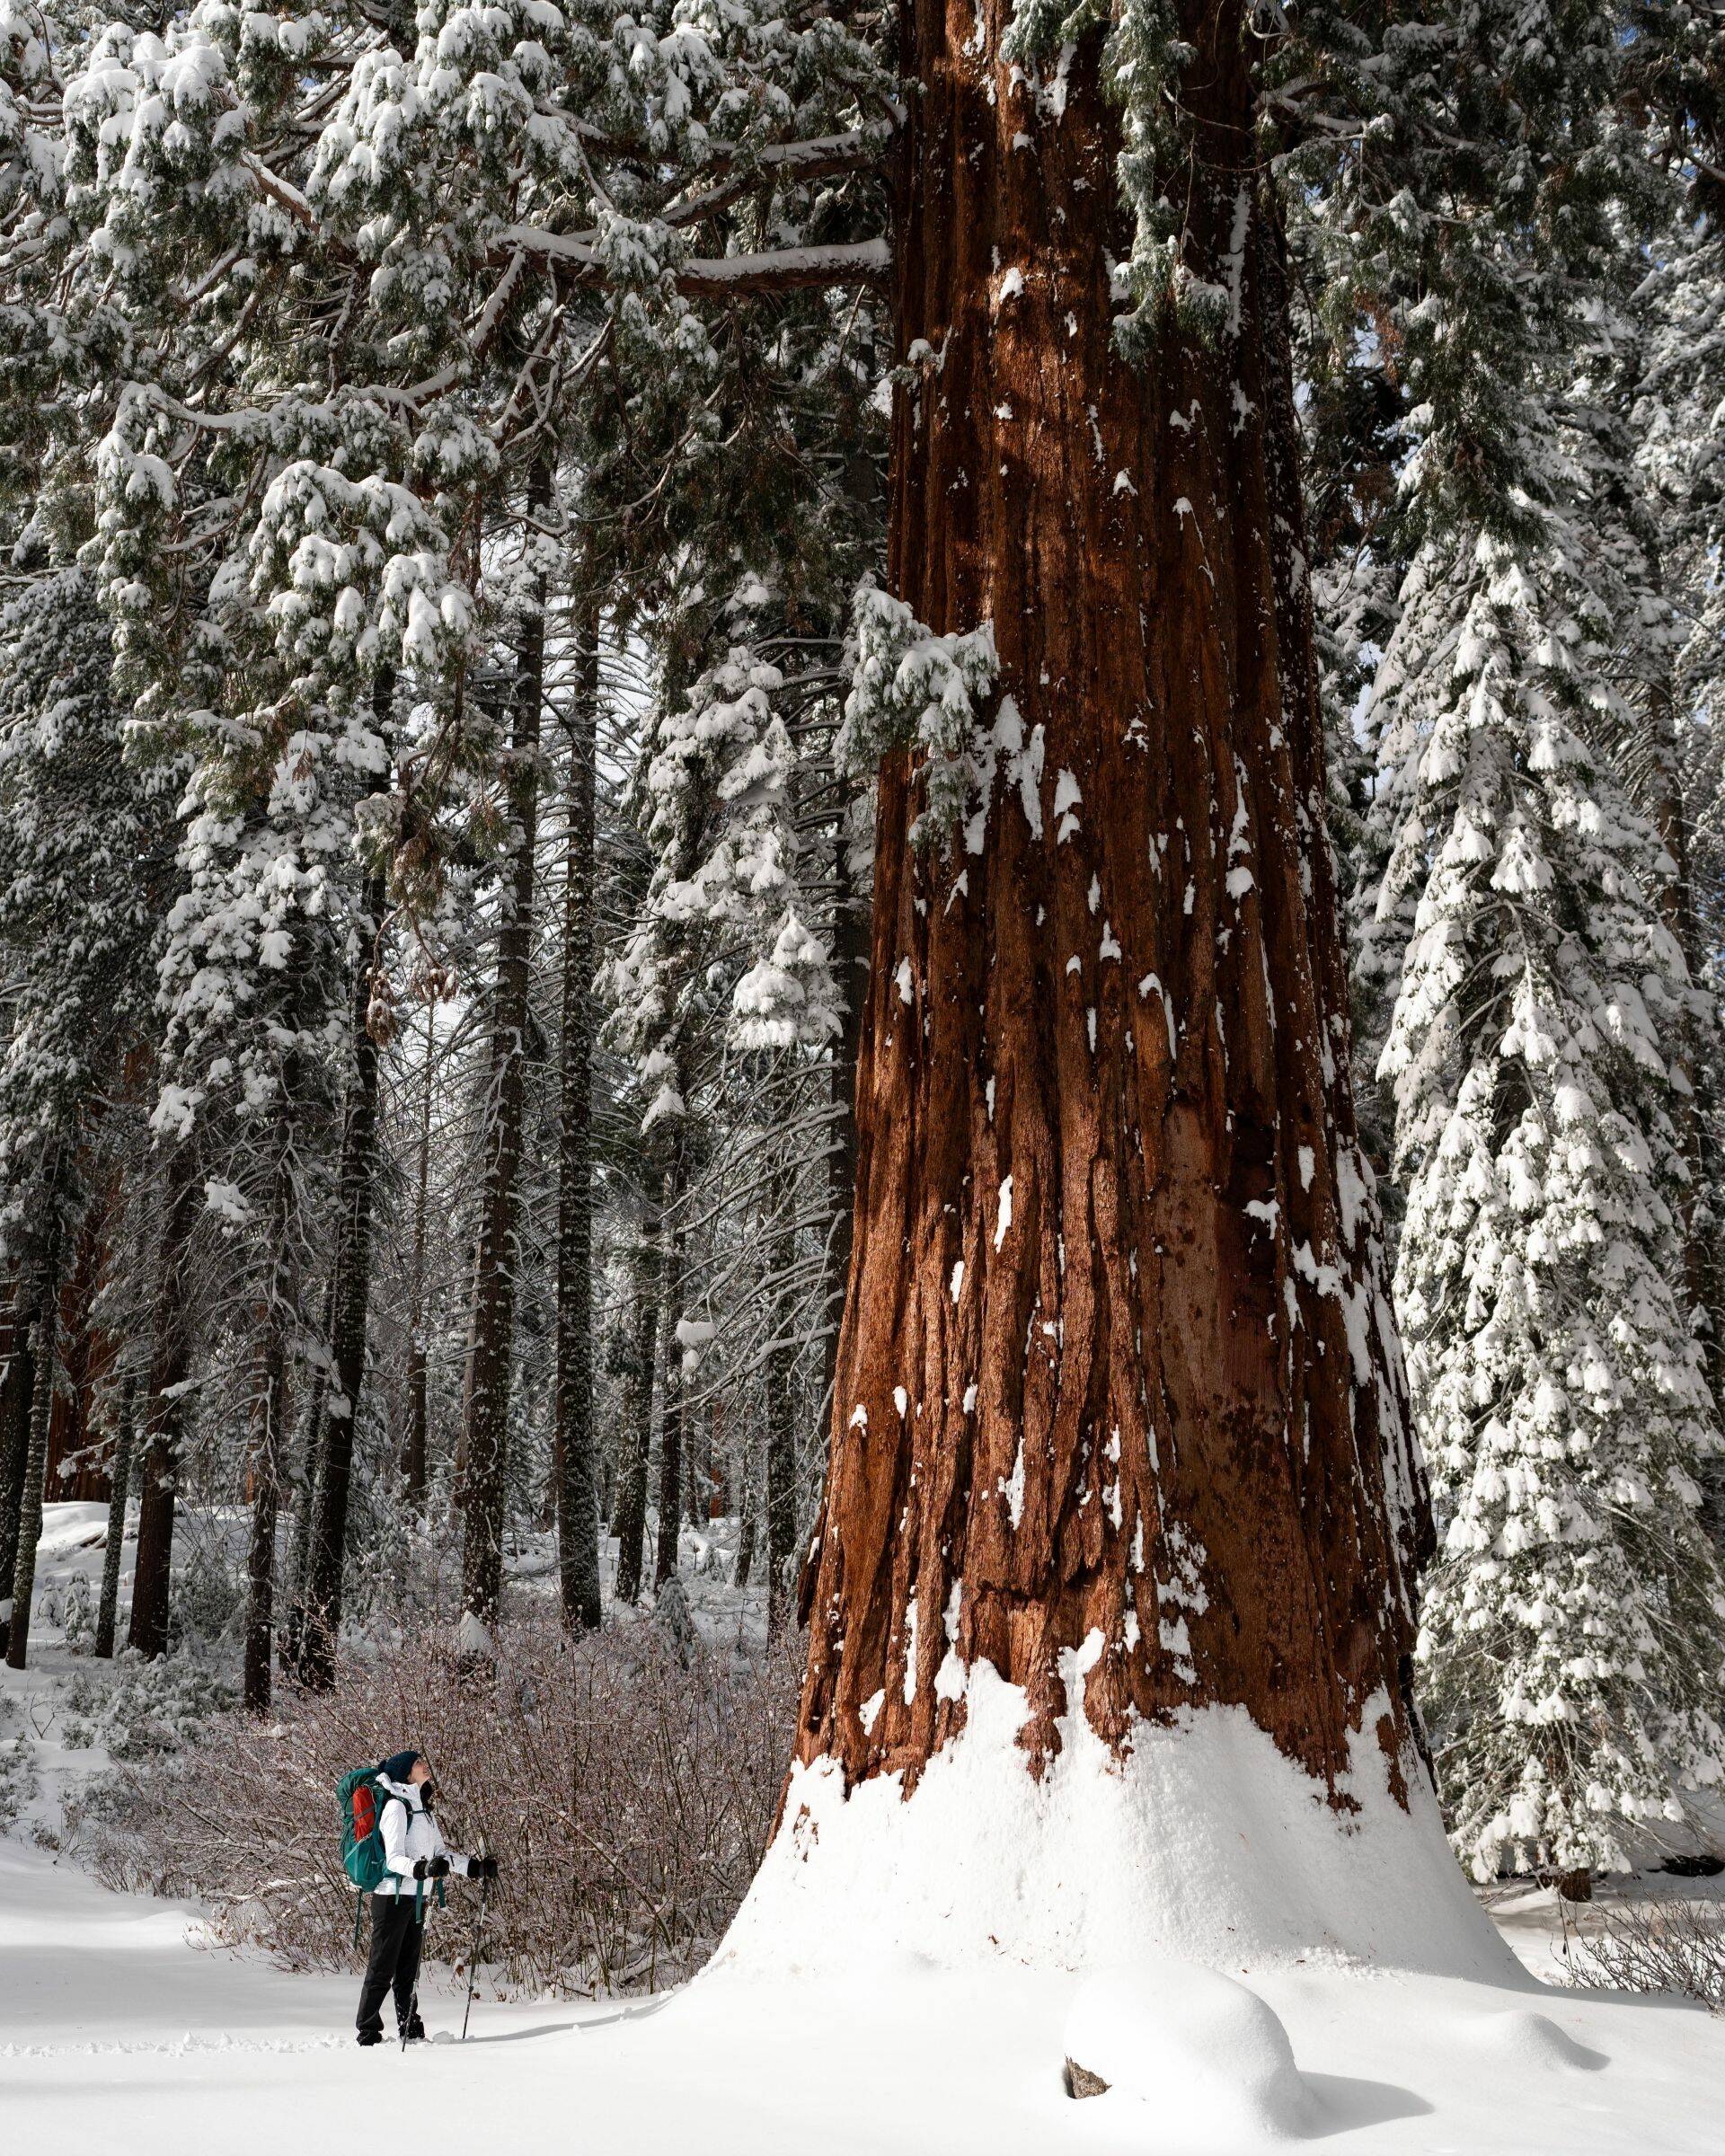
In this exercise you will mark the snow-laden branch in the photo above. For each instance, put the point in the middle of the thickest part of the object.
(722, 276)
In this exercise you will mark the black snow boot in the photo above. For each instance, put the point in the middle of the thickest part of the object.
(415, 2032)
(371, 2036)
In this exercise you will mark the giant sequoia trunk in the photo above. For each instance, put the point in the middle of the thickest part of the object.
(1110, 1603)
(485, 1432)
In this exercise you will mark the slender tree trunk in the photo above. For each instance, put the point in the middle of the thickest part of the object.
(159, 1466)
(273, 1317)
(671, 1432)
(578, 1519)
(414, 1453)
(749, 1527)
(350, 1311)
(305, 1503)
(486, 1437)
(266, 1507)
(641, 1357)
(1119, 1417)
(780, 1379)
(120, 1483)
(30, 1509)
(17, 1389)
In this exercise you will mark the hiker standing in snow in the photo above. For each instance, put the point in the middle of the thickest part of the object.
(414, 1853)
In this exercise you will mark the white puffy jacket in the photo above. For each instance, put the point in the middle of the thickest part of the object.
(409, 1832)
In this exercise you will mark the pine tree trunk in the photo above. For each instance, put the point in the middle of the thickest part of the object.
(305, 1502)
(1119, 1415)
(350, 1308)
(485, 1434)
(120, 1483)
(29, 1508)
(577, 1520)
(16, 1391)
(268, 1401)
(641, 1358)
(272, 1317)
(780, 1384)
(673, 1409)
(417, 1447)
(749, 1528)
(159, 1466)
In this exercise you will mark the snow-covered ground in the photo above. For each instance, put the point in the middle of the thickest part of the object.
(121, 2026)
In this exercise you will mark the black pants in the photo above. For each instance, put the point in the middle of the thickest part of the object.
(395, 1959)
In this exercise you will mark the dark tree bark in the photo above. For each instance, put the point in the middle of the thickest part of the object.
(17, 1389)
(639, 1359)
(22, 1586)
(578, 1518)
(159, 1463)
(485, 1432)
(1115, 1294)
(415, 1450)
(273, 1317)
(268, 1402)
(350, 1314)
(749, 1530)
(779, 1380)
(674, 1405)
(120, 1483)
(305, 1501)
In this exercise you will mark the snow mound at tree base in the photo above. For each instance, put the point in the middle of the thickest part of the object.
(1203, 1844)
(1212, 2058)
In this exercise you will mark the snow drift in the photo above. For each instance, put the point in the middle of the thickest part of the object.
(1203, 1845)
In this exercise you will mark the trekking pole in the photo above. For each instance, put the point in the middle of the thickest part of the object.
(413, 1996)
(473, 1956)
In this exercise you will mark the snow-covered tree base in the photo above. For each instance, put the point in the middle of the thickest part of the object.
(1205, 1843)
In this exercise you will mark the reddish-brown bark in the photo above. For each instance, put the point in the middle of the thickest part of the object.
(1137, 1407)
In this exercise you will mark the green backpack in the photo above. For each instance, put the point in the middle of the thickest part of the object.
(359, 1803)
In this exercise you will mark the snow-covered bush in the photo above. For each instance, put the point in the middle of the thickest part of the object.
(17, 1769)
(72, 1606)
(208, 1595)
(142, 1710)
(1667, 1946)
